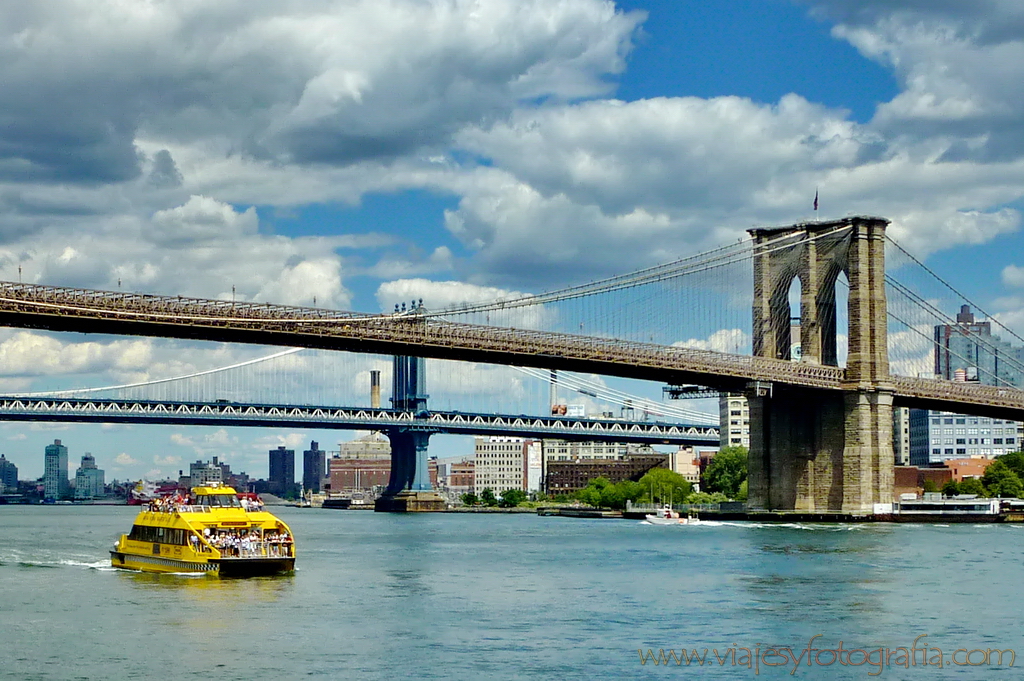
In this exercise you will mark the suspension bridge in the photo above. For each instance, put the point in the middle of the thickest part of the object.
(821, 435)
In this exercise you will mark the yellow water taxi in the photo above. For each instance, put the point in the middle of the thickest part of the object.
(210, 531)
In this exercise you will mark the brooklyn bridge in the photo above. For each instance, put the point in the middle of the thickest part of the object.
(820, 422)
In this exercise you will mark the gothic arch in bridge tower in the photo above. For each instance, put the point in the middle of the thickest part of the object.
(813, 259)
(811, 450)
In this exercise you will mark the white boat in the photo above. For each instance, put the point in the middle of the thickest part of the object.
(666, 516)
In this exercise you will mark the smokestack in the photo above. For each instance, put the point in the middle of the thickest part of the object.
(375, 390)
(553, 387)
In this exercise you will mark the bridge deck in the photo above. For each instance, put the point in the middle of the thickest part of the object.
(88, 311)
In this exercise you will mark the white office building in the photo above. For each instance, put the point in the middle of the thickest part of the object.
(734, 421)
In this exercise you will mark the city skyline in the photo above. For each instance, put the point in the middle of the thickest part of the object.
(462, 151)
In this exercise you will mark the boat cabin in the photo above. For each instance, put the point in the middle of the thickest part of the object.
(216, 497)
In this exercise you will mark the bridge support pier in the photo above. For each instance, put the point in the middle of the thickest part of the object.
(409, 487)
(815, 452)
(811, 450)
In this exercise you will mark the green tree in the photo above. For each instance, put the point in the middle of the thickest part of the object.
(726, 472)
(591, 494)
(470, 499)
(487, 497)
(706, 498)
(660, 485)
(972, 486)
(741, 495)
(602, 493)
(1015, 462)
(628, 490)
(930, 486)
(951, 488)
(511, 498)
(1000, 481)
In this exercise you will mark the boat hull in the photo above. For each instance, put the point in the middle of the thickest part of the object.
(219, 567)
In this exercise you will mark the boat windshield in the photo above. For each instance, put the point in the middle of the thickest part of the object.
(219, 500)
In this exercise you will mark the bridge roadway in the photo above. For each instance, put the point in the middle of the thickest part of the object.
(356, 418)
(110, 312)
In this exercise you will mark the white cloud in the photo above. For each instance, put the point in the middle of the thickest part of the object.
(735, 341)
(124, 459)
(1013, 276)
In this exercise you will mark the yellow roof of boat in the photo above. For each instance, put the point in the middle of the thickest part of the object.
(213, 489)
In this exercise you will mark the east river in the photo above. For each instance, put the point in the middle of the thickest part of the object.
(454, 596)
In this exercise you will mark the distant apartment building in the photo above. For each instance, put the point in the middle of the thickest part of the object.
(314, 462)
(569, 466)
(281, 480)
(8, 475)
(89, 482)
(734, 420)
(936, 436)
(203, 473)
(685, 462)
(458, 477)
(55, 471)
(568, 477)
(901, 436)
(212, 473)
(504, 463)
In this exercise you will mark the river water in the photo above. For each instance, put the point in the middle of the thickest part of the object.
(458, 596)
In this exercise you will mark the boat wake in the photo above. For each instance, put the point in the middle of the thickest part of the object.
(810, 527)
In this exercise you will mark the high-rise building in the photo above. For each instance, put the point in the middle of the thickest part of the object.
(970, 347)
(282, 471)
(89, 482)
(967, 351)
(55, 471)
(8, 475)
(313, 464)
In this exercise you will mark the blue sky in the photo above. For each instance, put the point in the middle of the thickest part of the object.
(364, 153)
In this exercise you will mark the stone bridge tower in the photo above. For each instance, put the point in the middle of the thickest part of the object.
(814, 450)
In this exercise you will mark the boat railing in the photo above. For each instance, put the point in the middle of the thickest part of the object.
(263, 549)
(194, 508)
(180, 508)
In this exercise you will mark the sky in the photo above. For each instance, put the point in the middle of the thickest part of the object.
(362, 153)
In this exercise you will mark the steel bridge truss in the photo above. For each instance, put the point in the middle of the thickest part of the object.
(358, 418)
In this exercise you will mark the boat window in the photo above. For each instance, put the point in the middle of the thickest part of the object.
(219, 500)
(158, 535)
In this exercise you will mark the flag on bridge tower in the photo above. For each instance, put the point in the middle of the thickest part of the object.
(815, 200)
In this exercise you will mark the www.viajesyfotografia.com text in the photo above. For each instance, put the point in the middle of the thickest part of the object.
(816, 654)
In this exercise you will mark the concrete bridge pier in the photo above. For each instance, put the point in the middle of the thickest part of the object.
(409, 487)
